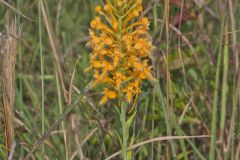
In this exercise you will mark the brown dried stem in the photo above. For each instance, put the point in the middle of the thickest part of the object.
(8, 53)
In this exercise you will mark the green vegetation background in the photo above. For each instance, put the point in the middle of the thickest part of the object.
(195, 63)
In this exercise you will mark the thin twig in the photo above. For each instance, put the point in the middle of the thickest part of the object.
(14, 9)
(158, 139)
(54, 49)
(40, 141)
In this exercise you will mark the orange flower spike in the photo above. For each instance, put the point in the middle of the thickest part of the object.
(120, 49)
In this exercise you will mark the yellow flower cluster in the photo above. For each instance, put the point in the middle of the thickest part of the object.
(121, 47)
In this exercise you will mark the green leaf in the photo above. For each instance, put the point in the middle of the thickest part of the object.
(117, 109)
(130, 120)
(118, 136)
(129, 154)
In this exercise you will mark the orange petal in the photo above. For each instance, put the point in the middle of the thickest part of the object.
(97, 64)
(138, 46)
(115, 25)
(103, 100)
(129, 97)
(111, 94)
(136, 13)
(98, 9)
(145, 21)
(107, 7)
(108, 41)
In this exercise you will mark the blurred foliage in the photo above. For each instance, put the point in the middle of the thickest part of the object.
(189, 55)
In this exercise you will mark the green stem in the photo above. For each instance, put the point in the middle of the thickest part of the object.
(224, 86)
(42, 71)
(153, 114)
(122, 104)
(215, 105)
(124, 129)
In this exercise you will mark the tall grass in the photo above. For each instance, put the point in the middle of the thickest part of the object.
(196, 92)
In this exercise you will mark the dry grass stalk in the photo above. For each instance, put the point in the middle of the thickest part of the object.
(8, 53)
